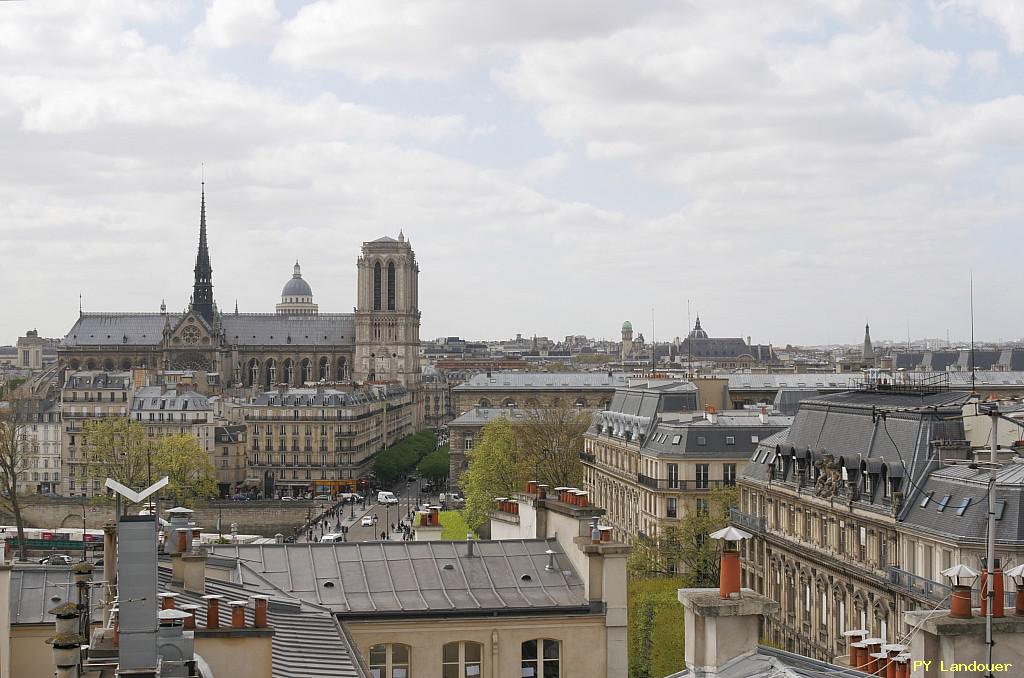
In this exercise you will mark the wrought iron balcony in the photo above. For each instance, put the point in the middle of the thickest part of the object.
(675, 484)
(747, 521)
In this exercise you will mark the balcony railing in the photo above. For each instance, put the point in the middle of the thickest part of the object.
(747, 521)
(680, 485)
(938, 591)
(584, 456)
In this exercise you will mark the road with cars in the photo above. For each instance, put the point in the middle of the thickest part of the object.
(383, 517)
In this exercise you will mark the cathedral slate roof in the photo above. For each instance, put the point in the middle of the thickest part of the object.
(243, 329)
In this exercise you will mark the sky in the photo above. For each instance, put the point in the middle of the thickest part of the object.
(787, 169)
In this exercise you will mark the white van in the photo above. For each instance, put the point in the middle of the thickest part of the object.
(386, 497)
(331, 538)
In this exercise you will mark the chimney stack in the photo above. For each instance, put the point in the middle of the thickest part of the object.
(260, 611)
(729, 568)
(238, 613)
(212, 610)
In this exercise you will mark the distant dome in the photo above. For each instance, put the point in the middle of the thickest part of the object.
(297, 287)
(627, 325)
(698, 332)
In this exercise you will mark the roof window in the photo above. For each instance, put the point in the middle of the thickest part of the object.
(676, 439)
(963, 506)
(926, 499)
(941, 506)
(1000, 507)
(702, 440)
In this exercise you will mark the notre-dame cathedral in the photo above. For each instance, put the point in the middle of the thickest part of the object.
(296, 345)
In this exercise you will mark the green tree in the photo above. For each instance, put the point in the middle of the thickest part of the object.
(118, 448)
(14, 447)
(401, 458)
(188, 468)
(684, 549)
(495, 470)
(551, 440)
(434, 466)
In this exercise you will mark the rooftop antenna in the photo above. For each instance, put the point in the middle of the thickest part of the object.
(973, 390)
(654, 345)
(689, 344)
(79, 304)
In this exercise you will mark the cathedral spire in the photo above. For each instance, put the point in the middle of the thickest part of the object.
(202, 288)
(867, 353)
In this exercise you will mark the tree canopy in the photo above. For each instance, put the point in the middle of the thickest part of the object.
(14, 447)
(118, 448)
(495, 470)
(401, 458)
(434, 466)
(188, 468)
(684, 549)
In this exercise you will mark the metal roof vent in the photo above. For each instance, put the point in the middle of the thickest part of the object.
(551, 561)
(447, 566)
(525, 577)
(469, 545)
(328, 584)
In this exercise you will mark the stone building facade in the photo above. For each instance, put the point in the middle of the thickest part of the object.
(854, 516)
(650, 460)
(296, 345)
(229, 457)
(40, 422)
(89, 396)
(299, 436)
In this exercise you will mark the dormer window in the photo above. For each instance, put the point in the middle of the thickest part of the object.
(867, 485)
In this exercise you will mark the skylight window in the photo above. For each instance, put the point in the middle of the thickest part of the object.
(963, 506)
(926, 499)
(676, 439)
(1000, 507)
(941, 506)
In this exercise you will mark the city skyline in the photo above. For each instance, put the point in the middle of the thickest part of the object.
(561, 168)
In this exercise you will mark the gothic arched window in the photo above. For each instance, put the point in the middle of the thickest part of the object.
(376, 286)
(391, 286)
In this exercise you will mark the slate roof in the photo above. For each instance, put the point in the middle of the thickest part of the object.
(842, 382)
(243, 329)
(311, 397)
(98, 380)
(845, 426)
(479, 416)
(963, 482)
(535, 381)
(150, 398)
(702, 438)
(36, 589)
(767, 662)
(380, 579)
(308, 641)
(787, 400)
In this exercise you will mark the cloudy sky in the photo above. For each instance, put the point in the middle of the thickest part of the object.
(790, 167)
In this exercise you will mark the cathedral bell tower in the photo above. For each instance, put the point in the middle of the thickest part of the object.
(388, 314)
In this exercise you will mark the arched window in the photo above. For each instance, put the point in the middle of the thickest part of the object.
(271, 374)
(376, 286)
(581, 402)
(389, 661)
(508, 402)
(341, 376)
(540, 658)
(325, 369)
(307, 370)
(391, 286)
(484, 402)
(461, 659)
(126, 364)
(90, 364)
(108, 364)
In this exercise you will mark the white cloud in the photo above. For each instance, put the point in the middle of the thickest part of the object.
(816, 156)
(984, 62)
(229, 23)
(1006, 15)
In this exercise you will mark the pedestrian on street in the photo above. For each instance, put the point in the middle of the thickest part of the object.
(383, 535)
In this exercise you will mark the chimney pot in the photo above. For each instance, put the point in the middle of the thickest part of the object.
(213, 610)
(238, 613)
(260, 611)
(190, 622)
(167, 600)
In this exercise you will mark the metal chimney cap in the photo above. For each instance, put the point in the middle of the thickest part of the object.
(238, 603)
(174, 614)
(179, 509)
(213, 596)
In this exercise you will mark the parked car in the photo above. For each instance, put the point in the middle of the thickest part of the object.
(56, 559)
(322, 497)
(367, 521)
(332, 538)
(287, 499)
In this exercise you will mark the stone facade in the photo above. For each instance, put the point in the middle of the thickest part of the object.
(299, 436)
(588, 390)
(649, 467)
(41, 424)
(89, 396)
